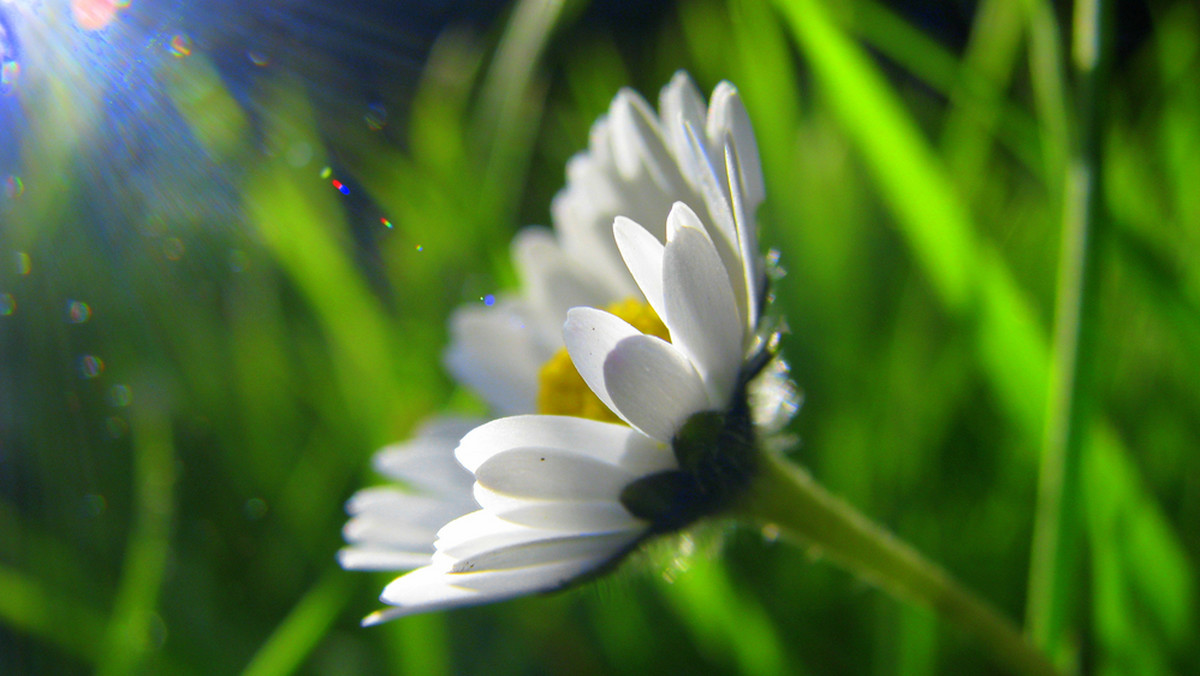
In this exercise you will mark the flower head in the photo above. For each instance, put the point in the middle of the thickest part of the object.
(643, 420)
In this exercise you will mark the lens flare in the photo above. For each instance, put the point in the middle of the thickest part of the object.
(94, 15)
(180, 45)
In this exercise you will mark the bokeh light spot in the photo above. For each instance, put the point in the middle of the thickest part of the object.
(326, 172)
(91, 366)
(180, 45)
(94, 504)
(24, 263)
(120, 395)
(341, 187)
(386, 222)
(8, 305)
(10, 70)
(258, 58)
(78, 312)
(14, 187)
(489, 300)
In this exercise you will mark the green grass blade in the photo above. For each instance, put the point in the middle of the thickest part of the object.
(909, 174)
(133, 617)
(1054, 563)
(303, 628)
(28, 607)
(726, 624)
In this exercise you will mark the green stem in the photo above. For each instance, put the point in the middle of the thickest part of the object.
(1054, 561)
(785, 497)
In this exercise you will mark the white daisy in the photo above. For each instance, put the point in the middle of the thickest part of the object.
(637, 166)
(562, 496)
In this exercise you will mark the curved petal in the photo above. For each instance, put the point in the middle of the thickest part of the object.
(607, 442)
(642, 253)
(383, 514)
(553, 281)
(728, 113)
(601, 547)
(497, 352)
(638, 145)
(579, 516)
(714, 191)
(702, 312)
(426, 462)
(653, 385)
(381, 558)
(747, 278)
(590, 335)
(430, 588)
(550, 473)
(482, 531)
(680, 104)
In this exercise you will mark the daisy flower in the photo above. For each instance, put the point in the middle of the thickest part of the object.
(630, 409)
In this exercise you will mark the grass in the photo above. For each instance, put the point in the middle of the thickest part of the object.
(272, 332)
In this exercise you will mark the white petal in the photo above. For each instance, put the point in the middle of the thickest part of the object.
(386, 501)
(554, 282)
(564, 515)
(642, 253)
(381, 558)
(590, 334)
(497, 352)
(728, 113)
(607, 442)
(481, 531)
(426, 462)
(653, 385)
(428, 589)
(601, 547)
(714, 190)
(746, 279)
(550, 473)
(408, 535)
(638, 146)
(680, 104)
(702, 312)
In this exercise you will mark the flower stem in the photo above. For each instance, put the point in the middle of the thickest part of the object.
(786, 497)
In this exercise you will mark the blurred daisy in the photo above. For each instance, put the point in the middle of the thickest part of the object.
(651, 426)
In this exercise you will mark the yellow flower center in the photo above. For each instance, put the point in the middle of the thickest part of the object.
(562, 391)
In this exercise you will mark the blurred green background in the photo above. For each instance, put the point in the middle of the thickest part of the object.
(203, 339)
